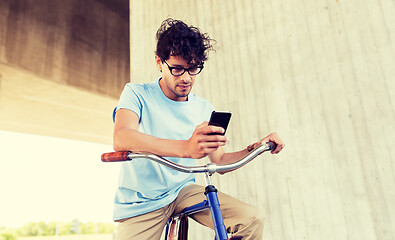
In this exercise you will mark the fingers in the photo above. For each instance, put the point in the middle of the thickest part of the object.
(202, 148)
(210, 143)
(200, 144)
(273, 137)
(204, 128)
(207, 143)
(212, 138)
(213, 130)
(207, 149)
(203, 124)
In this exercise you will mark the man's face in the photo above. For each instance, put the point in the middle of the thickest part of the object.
(176, 88)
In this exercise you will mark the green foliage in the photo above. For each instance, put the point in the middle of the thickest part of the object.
(7, 236)
(88, 228)
(37, 229)
(106, 228)
(65, 228)
(49, 229)
(97, 228)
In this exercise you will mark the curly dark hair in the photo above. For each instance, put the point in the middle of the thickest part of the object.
(175, 38)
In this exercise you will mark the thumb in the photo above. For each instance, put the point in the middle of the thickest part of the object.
(203, 124)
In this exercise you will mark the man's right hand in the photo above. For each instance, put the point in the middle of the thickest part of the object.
(201, 144)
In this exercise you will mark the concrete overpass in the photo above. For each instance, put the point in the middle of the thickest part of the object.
(63, 65)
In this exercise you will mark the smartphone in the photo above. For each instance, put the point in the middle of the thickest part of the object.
(220, 119)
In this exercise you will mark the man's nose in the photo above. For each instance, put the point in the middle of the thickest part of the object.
(185, 77)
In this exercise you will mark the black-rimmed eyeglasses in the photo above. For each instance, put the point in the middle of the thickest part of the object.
(178, 71)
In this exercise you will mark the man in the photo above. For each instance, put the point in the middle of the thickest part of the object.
(163, 118)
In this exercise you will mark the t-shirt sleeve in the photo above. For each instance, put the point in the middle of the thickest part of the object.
(130, 99)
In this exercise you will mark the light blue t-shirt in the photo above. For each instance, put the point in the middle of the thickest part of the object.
(144, 185)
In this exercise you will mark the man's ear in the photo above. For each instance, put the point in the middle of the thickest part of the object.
(158, 62)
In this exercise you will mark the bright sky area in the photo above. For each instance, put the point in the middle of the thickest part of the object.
(52, 179)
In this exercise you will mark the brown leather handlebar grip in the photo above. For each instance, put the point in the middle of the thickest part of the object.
(115, 156)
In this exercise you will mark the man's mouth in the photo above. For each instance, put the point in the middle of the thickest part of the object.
(184, 87)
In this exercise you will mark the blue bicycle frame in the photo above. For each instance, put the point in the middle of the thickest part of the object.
(212, 203)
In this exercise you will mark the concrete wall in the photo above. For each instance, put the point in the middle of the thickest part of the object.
(321, 74)
(79, 43)
(64, 64)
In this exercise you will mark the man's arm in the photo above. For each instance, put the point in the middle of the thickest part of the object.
(219, 157)
(128, 138)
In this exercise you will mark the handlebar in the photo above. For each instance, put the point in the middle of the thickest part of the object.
(210, 168)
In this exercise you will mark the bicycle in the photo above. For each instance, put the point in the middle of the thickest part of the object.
(211, 201)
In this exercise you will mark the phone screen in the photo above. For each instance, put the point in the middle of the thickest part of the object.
(220, 119)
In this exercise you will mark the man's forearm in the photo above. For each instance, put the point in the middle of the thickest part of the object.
(232, 157)
(219, 157)
(132, 140)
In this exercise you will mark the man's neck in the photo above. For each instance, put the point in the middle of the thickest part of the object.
(169, 94)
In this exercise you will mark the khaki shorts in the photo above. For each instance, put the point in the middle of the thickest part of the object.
(240, 218)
